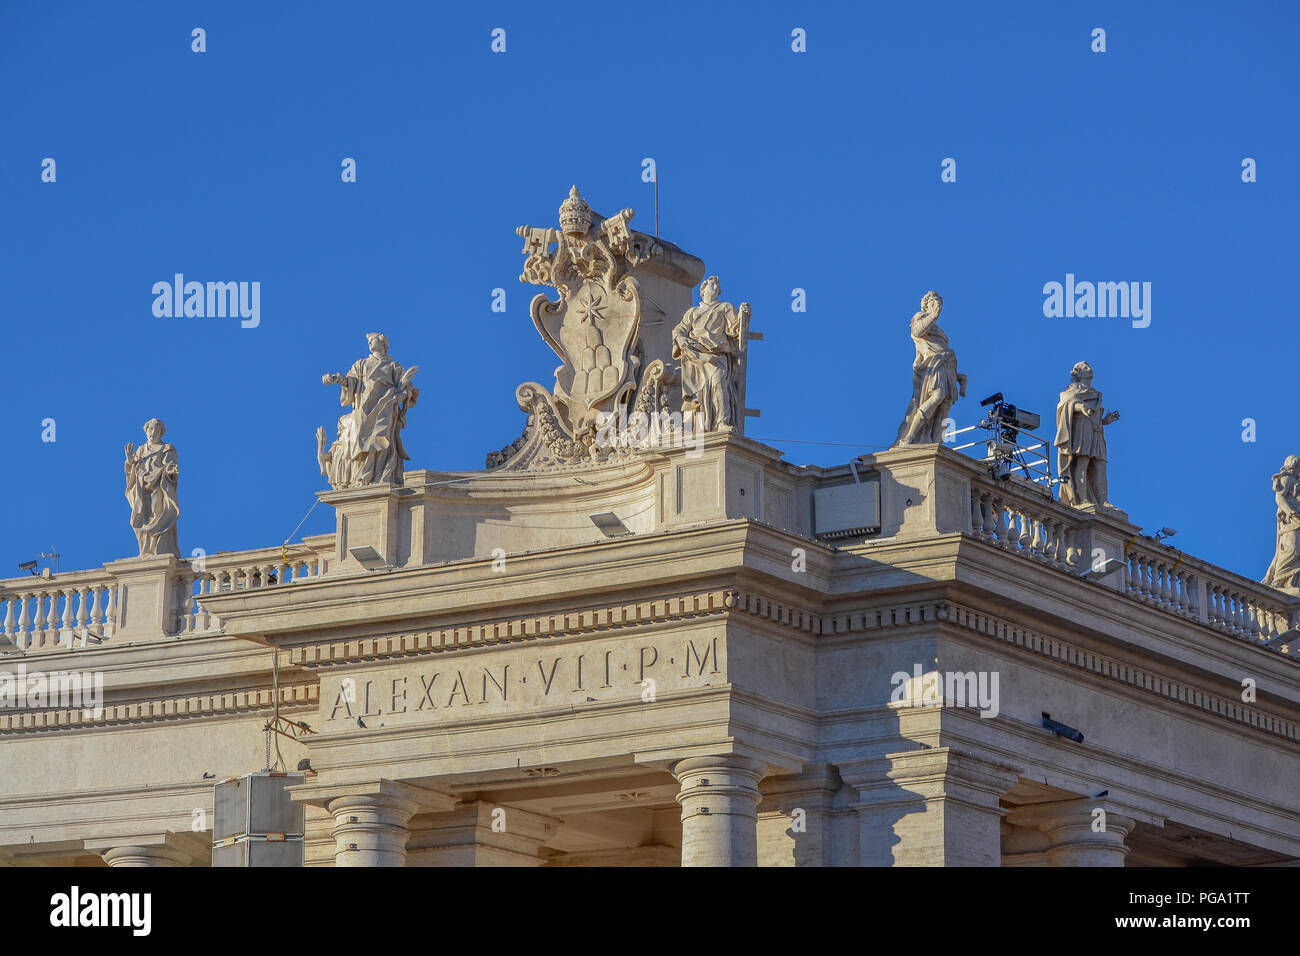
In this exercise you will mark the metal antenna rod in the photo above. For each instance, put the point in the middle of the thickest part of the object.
(656, 200)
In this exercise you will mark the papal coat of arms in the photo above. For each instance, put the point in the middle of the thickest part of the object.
(592, 327)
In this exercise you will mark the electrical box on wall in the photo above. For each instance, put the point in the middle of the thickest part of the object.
(847, 511)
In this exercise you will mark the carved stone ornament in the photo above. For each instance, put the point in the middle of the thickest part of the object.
(936, 383)
(369, 448)
(152, 476)
(1284, 572)
(592, 326)
(1081, 442)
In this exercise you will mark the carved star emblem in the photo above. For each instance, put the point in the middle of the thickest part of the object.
(590, 306)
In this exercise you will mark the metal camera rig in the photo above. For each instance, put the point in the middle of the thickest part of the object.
(1012, 445)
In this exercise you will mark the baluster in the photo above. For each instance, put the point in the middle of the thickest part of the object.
(24, 621)
(38, 626)
(95, 617)
(110, 612)
(83, 608)
(1038, 543)
(9, 619)
(976, 519)
(313, 567)
(205, 588)
(1166, 585)
(65, 625)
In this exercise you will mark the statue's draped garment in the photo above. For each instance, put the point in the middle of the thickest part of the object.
(152, 493)
(707, 342)
(934, 373)
(1284, 572)
(374, 389)
(1077, 434)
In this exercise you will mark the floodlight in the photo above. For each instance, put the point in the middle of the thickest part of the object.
(1103, 570)
(369, 558)
(610, 524)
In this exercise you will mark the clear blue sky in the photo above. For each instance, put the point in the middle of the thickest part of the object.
(818, 170)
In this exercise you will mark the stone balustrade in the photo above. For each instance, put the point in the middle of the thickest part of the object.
(1187, 586)
(71, 609)
(240, 571)
(76, 609)
(1020, 519)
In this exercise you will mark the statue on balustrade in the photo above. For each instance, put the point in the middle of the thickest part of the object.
(151, 480)
(710, 341)
(936, 384)
(379, 391)
(1284, 572)
(1081, 441)
(337, 462)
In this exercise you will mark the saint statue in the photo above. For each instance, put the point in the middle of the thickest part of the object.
(379, 392)
(1081, 442)
(936, 384)
(710, 342)
(151, 477)
(336, 463)
(1284, 572)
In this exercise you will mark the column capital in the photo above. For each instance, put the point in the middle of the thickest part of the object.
(144, 849)
(1085, 831)
(371, 820)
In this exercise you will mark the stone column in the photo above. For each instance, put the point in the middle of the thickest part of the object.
(370, 829)
(370, 820)
(144, 856)
(929, 807)
(154, 849)
(1083, 832)
(719, 800)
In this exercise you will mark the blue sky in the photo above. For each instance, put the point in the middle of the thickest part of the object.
(817, 170)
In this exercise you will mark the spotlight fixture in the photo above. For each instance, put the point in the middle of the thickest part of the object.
(369, 558)
(1164, 533)
(1104, 570)
(610, 524)
(29, 566)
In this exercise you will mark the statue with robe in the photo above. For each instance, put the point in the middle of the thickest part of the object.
(936, 383)
(379, 391)
(1284, 572)
(709, 340)
(1081, 441)
(151, 489)
(337, 462)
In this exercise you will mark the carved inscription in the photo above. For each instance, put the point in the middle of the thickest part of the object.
(519, 680)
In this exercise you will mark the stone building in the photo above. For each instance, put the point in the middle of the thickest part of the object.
(673, 648)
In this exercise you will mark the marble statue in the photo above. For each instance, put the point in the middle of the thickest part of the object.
(380, 392)
(337, 462)
(1284, 572)
(710, 341)
(151, 479)
(936, 383)
(1081, 441)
